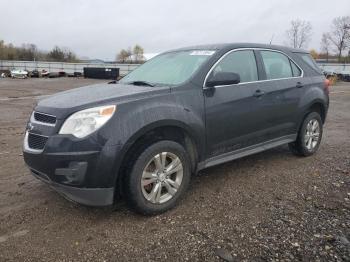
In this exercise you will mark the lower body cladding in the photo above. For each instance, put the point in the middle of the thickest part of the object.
(86, 177)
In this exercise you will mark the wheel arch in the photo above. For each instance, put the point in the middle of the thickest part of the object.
(173, 130)
(315, 106)
(319, 107)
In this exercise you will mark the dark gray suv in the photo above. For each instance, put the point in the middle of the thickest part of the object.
(184, 110)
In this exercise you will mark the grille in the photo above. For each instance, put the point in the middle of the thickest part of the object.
(36, 141)
(40, 117)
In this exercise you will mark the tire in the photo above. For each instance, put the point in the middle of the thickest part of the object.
(303, 146)
(146, 168)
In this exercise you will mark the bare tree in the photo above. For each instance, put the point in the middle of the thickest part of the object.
(61, 55)
(138, 53)
(314, 54)
(340, 34)
(299, 33)
(123, 55)
(326, 44)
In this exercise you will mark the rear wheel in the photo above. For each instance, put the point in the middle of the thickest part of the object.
(309, 136)
(158, 178)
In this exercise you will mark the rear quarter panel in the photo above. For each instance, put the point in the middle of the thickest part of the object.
(312, 92)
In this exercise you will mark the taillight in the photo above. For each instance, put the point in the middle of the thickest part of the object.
(327, 85)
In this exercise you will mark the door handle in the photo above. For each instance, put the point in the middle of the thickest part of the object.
(299, 85)
(258, 93)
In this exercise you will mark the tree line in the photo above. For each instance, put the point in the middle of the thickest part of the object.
(30, 52)
(134, 55)
(333, 43)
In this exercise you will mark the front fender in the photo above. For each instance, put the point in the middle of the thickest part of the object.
(133, 119)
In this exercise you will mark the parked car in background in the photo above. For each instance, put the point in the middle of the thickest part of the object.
(75, 74)
(328, 74)
(18, 73)
(344, 76)
(53, 74)
(184, 110)
(35, 73)
(5, 73)
(45, 73)
(62, 74)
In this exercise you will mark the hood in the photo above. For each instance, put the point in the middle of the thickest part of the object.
(64, 103)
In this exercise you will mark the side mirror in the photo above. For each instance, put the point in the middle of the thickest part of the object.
(223, 78)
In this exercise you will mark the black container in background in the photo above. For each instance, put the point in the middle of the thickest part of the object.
(101, 73)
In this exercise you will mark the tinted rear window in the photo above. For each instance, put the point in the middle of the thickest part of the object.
(307, 58)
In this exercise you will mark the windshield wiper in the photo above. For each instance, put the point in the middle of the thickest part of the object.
(140, 83)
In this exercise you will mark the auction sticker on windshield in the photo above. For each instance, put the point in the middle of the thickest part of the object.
(202, 52)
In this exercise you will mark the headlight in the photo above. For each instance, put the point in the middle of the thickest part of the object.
(84, 122)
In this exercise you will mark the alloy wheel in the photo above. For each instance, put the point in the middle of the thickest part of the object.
(312, 134)
(162, 177)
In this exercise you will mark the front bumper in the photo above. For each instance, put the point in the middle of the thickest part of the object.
(84, 196)
(81, 170)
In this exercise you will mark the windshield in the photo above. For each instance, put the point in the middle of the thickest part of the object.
(171, 68)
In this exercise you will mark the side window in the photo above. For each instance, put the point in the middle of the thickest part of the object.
(239, 62)
(276, 65)
(295, 69)
(310, 61)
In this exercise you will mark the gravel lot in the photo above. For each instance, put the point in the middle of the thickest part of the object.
(271, 206)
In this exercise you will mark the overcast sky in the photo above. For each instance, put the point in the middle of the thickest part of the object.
(99, 29)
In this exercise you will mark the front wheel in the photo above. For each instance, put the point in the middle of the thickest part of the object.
(309, 136)
(158, 178)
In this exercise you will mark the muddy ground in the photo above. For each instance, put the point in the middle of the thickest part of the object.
(271, 206)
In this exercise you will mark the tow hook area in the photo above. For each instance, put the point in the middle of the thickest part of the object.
(74, 174)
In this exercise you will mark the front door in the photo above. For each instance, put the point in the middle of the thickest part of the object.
(233, 113)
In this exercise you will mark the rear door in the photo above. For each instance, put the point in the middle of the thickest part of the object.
(282, 91)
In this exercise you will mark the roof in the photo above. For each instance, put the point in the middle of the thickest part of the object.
(241, 45)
